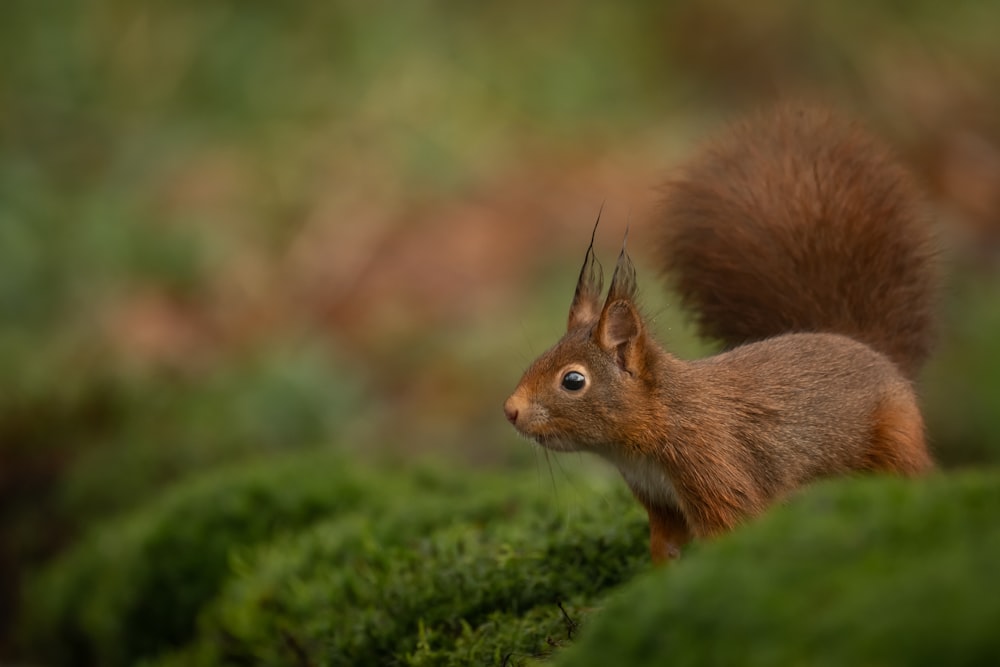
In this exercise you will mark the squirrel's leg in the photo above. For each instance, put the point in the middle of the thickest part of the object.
(668, 532)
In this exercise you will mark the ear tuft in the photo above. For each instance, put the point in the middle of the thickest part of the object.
(623, 285)
(620, 328)
(587, 299)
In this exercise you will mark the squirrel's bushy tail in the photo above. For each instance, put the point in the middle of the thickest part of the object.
(796, 220)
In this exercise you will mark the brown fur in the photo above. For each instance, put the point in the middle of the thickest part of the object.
(668, 532)
(834, 227)
(794, 222)
(897, 443)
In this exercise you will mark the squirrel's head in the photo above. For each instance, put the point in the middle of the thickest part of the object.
(583, 392)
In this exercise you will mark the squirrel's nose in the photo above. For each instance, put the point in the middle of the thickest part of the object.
(510, 409)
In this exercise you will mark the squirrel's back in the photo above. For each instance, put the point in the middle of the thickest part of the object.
(798, 221)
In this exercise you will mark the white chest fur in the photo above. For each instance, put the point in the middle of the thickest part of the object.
(648, 480)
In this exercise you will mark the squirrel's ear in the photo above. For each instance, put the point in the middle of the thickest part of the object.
(619, 331)
(586, 306)
(620, 327)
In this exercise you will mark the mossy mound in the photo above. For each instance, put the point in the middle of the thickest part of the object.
(321, 559)
(135, 584)
(440, 581)
(855, 572)
(316, 561)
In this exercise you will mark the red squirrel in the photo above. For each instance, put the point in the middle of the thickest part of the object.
(798, 242)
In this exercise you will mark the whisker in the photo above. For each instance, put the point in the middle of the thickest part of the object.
(552, 477)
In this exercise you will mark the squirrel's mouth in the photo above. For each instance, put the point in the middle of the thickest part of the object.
(535, 423)
(551, 441)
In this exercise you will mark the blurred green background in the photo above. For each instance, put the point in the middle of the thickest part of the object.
(235, 232)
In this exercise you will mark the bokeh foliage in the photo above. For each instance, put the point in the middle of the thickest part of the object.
(249, 250)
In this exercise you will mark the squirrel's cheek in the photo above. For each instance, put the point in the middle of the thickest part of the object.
(533, 420)
(524, 415)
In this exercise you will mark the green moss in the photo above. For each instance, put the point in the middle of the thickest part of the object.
(502, 638)
(135, 585)
(391, 587)
(857, 572)
(428, 568)
(335, 562)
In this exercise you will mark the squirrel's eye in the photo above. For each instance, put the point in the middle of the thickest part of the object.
(573, 381)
